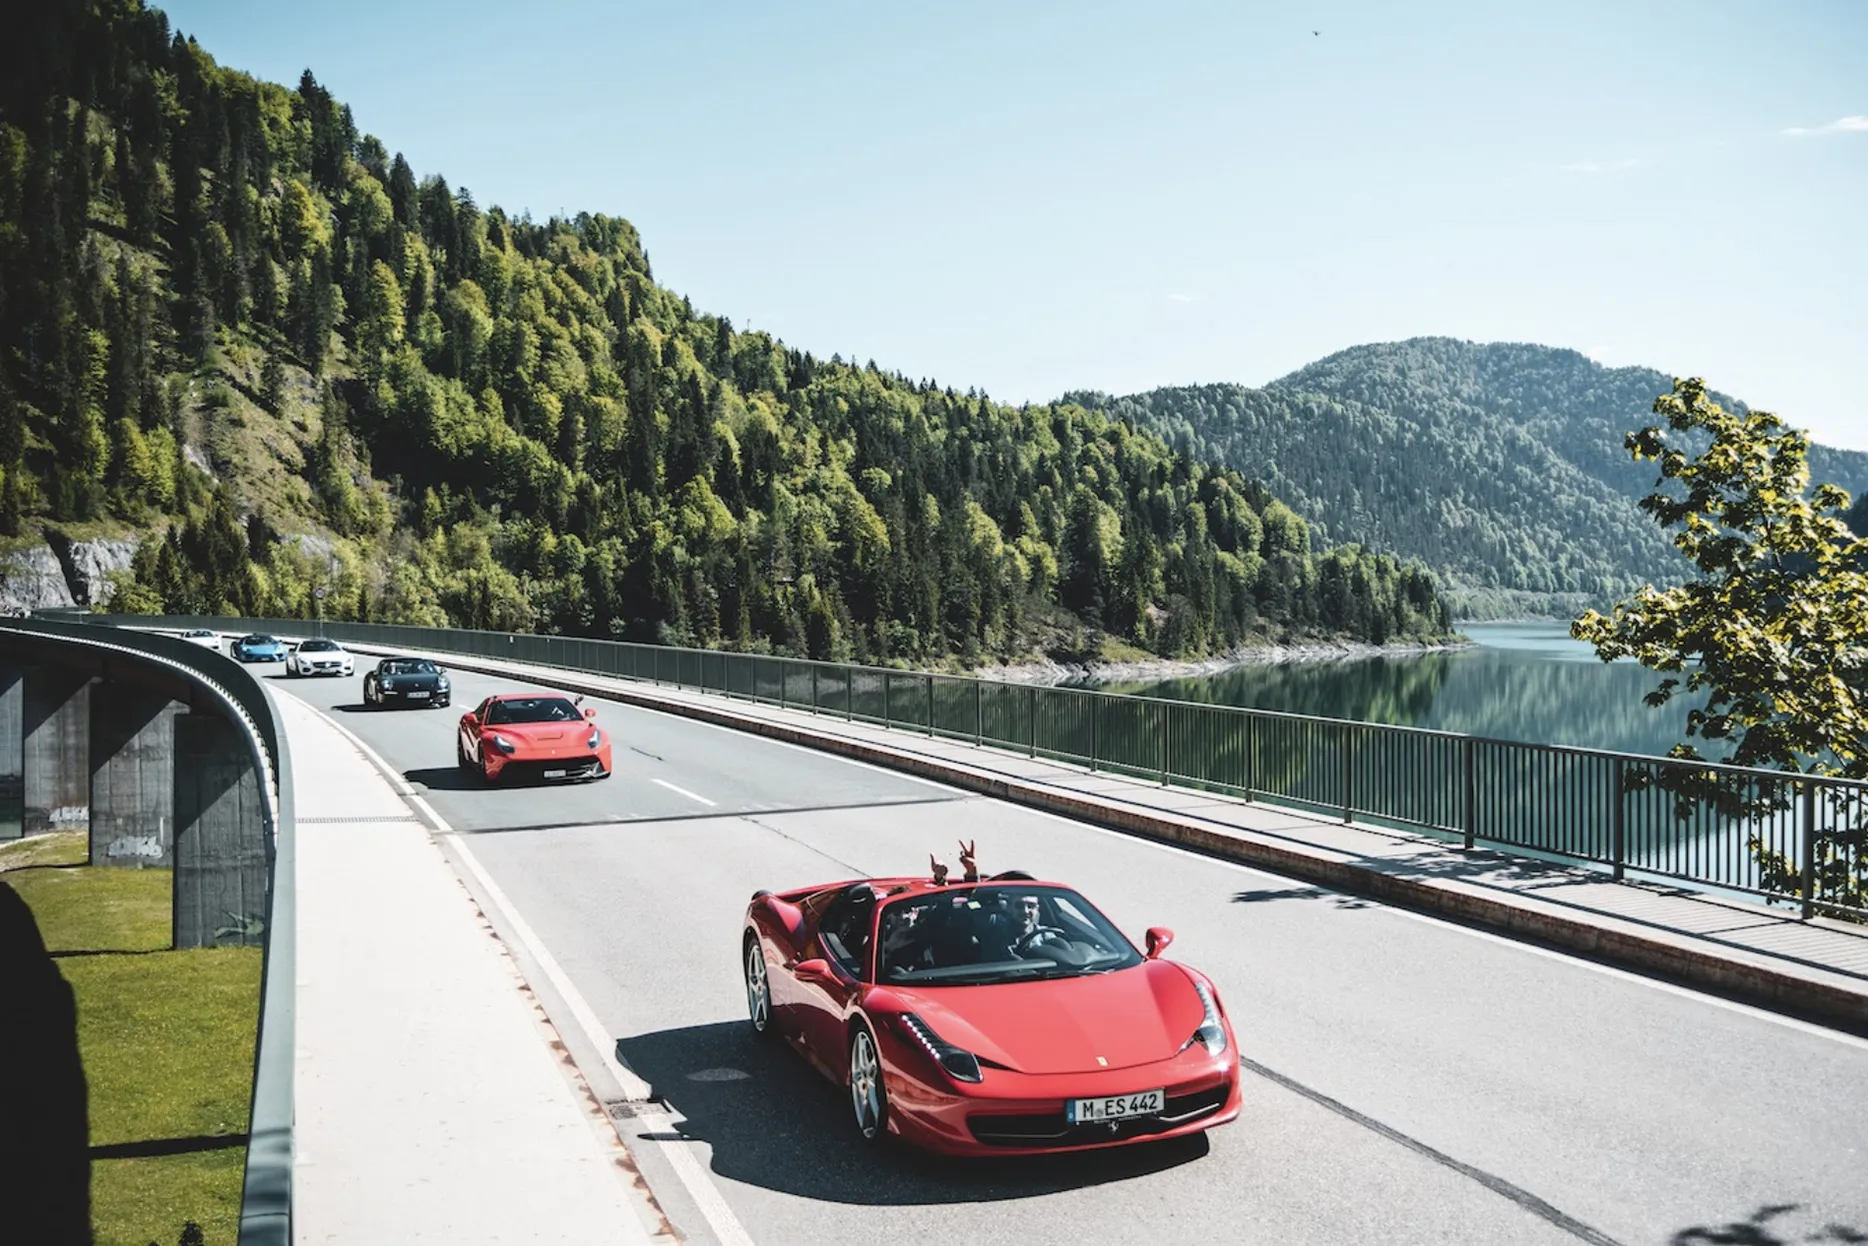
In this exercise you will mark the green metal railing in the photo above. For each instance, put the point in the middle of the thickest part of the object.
(1624, 813)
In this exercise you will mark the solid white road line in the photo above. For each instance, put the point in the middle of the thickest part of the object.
(682, 791)
(700, 1187)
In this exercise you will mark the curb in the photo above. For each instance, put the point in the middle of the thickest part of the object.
(1743, 980)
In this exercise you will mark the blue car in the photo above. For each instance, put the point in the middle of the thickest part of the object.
(257, 648)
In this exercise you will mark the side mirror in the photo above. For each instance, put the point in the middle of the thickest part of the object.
(816, 969)
(1158, 939)
(590, 712)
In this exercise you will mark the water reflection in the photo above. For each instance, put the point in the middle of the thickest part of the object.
(1520, 681)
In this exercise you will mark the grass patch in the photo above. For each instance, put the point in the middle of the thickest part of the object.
(81, 908)
(166, 1040)
(58, 848)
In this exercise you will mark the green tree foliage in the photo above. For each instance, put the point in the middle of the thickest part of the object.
(504, 423)
(1773, 622)
(1496, 465)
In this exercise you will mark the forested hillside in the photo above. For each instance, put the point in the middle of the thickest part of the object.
(1500, 466)
(235, 323)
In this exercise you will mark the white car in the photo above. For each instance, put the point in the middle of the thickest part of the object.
(320, 657)
(203, 637)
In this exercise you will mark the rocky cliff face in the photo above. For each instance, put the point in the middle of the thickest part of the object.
(33, 579)
(61, 572)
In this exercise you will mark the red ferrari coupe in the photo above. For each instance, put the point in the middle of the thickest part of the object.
(532, 735)
(991, 1016)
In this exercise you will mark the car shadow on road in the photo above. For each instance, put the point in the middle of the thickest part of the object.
(772, 1121)
(445, 779)
(1774, 1224)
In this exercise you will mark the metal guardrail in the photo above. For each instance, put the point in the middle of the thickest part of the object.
(1625, 813)
(266, 1201)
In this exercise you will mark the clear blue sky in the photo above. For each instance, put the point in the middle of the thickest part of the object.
(1035, 197)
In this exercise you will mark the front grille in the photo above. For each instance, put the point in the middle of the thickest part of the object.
(534, 771)
(1050, 1129)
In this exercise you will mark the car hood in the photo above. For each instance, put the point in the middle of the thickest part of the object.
(1067, 1025)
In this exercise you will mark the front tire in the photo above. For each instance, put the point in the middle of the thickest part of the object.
(869, 1098)
(758, 991)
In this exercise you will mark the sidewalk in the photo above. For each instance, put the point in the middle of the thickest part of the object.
(407, 1131)
(1763, 955)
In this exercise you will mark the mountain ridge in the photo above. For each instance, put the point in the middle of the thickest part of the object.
(1499, 465)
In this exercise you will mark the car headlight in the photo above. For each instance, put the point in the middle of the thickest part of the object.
(441, 684)
(1212, 1033)
(504, 745)
(960, 1064)
(596, 738)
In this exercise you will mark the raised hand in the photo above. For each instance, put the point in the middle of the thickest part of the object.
(967, 861)
(939, 868)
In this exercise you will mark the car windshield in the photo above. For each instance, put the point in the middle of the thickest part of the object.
(317, 646)
(258, 640)
(1011, 932)
(532, 710)
(197, 633)
(409, 666)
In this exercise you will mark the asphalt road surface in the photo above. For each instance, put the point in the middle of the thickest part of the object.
(1407, 1080)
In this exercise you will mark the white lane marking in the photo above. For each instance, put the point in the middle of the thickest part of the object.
(1730, 1005)
(682, 791)
(713, 1207)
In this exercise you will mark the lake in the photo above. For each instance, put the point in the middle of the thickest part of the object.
(1520, 681)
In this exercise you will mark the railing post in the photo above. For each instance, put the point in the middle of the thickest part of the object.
(1807, 875)
(1349, 774)
(1031, 716)
(1095, 701)
(1472, 792)
(813, 687)
(849, 694)
(979, 712)
(1620, 845)
(1251, 753)
(887, 721)
(1163, 724)
(930, 682)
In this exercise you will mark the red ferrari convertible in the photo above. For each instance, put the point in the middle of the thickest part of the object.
(533, 735)
(993, 1016)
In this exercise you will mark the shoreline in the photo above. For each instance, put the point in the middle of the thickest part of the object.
(1051, 673)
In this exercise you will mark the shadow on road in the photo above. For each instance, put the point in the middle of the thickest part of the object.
(446, 779)
(1766, 1227)
(45, 1163)
(774, 1122)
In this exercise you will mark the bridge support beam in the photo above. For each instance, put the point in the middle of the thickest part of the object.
(220, 839)
(12, 752)
(56, 761)
(132, 776)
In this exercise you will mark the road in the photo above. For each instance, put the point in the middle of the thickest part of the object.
(1408, 1080)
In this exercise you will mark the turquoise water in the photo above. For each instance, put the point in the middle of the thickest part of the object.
(1519, 681)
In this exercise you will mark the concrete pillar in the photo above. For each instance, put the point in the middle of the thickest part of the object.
(220, 836)
(132, 776)
(12, 753)
(56, 723)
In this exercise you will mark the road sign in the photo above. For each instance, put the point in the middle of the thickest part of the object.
(318, 592)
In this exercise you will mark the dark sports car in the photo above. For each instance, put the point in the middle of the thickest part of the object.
(987, 1017)
(406, 681)
(257, 648)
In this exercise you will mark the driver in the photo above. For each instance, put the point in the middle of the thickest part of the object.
(1033, 935)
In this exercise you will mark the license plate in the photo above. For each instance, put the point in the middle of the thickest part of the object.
(554, 774)
(1115, 1108)
(418, 696)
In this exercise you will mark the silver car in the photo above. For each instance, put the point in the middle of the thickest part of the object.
(320, 657)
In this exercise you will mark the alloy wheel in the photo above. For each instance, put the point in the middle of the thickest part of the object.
(868, 1100)
(758, 990)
